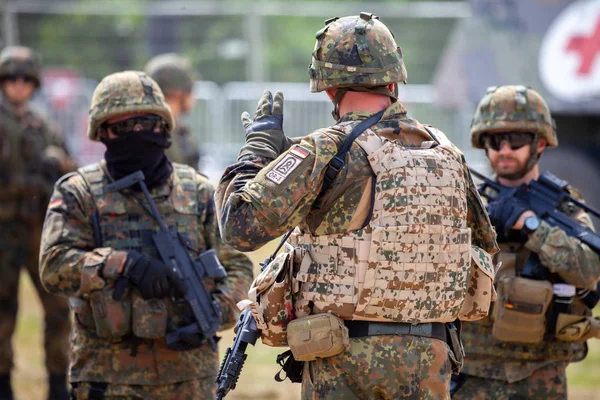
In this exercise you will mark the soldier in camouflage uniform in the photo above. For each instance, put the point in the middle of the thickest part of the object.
(175, 78)
(400, 221)
(513, 124)
(32, 157)
(92, 237)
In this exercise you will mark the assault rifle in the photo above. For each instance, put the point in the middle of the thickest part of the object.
(173, 252)
(545, 196)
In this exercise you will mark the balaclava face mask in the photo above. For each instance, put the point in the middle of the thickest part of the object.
(139, 150)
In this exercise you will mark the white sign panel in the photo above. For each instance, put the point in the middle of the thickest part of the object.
(569, 59)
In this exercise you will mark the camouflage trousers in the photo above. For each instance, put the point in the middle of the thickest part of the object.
(382, 367)
(547, 383)
(19, 246)
(190, 390)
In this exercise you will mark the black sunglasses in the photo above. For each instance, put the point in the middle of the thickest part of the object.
(142, 123)
(515, 140)
(15, 77)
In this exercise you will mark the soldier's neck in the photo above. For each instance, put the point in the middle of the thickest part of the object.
(361, 101)
(534, 173)
(18, 109)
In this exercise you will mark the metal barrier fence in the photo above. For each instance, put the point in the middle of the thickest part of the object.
(215, 118)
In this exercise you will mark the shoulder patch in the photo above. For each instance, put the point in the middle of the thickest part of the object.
(284, 168)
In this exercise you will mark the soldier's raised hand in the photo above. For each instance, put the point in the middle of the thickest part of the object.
(264, 132)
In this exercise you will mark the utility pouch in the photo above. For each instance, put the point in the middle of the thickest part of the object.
(481, 292)
(112, 318)
(520, 313)
(149, 317)
(83, 312)
(317, 336)
(577, 328)
(271, 297)
(457, 351)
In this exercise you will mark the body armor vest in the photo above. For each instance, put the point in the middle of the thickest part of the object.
(126, 225)
(480, 343)
(411, 262)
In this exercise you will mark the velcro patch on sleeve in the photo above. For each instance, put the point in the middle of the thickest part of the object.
(56, 203)
(286, 166)
(299, 151)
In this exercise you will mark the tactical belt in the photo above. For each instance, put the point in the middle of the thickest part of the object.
(436, 330)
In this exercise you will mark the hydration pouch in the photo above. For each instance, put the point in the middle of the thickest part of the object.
(149, 317)
(270, 298)
(519, 315)
(112, 318)
(317, 336)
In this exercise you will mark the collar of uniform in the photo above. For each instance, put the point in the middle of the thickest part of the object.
(9, 109)
(392, 112)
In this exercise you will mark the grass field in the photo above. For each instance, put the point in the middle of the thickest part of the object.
(256, 381)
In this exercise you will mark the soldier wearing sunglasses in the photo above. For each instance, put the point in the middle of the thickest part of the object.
(95, 236)
(517, 352)
(32, 157)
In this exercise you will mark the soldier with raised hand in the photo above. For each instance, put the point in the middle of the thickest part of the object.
(389, 227)
(175, 77)
(517, 354)
(32, 157)
(94, 236)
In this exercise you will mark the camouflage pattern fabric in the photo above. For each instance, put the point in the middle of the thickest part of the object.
(355, 51)
(548, 382)
(381, 367)
(253, 210)
(184, 147)
(71, 260)
(27, 176)
(124, 93)
(188, 390)
(512, 109)
(511, 362)
(19, 246)
(259, 199)
(19, 60)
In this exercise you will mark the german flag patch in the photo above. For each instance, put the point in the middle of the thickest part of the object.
(55, 203)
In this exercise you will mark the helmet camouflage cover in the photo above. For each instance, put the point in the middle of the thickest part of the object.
(19, 60)
(355, 51)
(172, 72)
(513, 108)
(124, 93)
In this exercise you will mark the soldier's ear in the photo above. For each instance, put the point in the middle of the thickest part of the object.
(542, 143)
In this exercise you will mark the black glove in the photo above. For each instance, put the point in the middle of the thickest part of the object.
(152, 277)
(264, 133)
(504, 213)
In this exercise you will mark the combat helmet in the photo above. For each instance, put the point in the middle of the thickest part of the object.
(19, 60)
(123, 93)
(512, 108)
(172, 72)
(357, 53)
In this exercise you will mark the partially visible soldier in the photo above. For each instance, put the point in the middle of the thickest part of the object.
(518, 354)
(32, 157)
(92, 237)
(388, 224)
(175, 77)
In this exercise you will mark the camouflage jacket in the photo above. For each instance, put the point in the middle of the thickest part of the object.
(184, 147)
(253, 210)
(71, 260)
(32, 158)
(564, 256)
